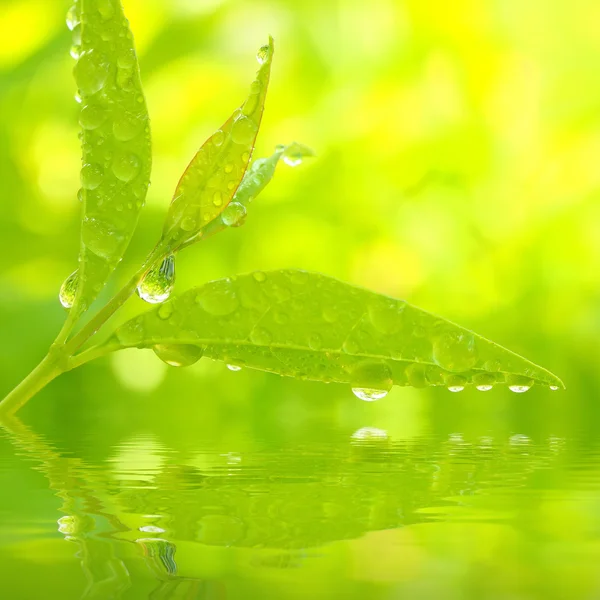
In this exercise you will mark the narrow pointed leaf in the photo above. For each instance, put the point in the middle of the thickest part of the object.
(310, 326)
(211, 179)
(115, 138)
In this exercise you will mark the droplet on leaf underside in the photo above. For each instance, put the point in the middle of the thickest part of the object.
(519, 389)
(369, 394)
(158, 284)
(68, 289)
(455, 383)
(484, 388)
(72, 18)
(519, 383)
(371, 380)
(295, 153)
(234, 215)
(234, 368)
(455, 351)
(263, 54)
(178, 355)
(554, 388)
(456, 388)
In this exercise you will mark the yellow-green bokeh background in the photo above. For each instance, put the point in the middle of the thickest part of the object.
(457, 168)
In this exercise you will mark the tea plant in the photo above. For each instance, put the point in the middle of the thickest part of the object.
(290, 322)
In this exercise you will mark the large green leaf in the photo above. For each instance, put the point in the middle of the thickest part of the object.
(214, 174)
(310, 326)
(115, 140)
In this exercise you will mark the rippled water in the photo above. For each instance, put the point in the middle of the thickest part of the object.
(347, 514)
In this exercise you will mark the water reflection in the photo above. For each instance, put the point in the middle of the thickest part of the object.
(156, 522)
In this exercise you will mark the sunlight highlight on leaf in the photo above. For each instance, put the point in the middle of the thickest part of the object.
(310, 326)
(212, 178)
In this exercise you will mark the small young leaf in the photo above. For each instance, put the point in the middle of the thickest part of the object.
(115, 139)
(211, 179)
(310, 326)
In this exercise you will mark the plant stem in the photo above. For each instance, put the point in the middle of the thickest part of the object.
(42, 375)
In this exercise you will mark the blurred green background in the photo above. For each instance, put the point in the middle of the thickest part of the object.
(457, 167)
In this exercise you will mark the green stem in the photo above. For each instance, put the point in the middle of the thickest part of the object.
(39, 378)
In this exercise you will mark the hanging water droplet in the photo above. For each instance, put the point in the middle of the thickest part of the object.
(263, 54)
(295, 153)
(554, 388)
(519, 389)
(157, 286)
(68, 289)
(72, 18)
(369, 394)
(75, 51)
(243, 130)
(455, 383)
(234, 368)
(178, 355)
(126, 166)
(456, 388)
(484, 388)
(484, 382)
(91, 72)
(234, 215)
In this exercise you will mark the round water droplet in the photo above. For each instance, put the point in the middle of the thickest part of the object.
(101, 237)
(188, 224)
(260, 336)
(218, 138)
(455, 351)
(455, 383)
(259, 276)
(91, 176)
(126, 59)
(68, 289)
(263, 54)
(315, 341)
(91, 72)
(75, 51)
(234, 215)
(518, 383)
(217, 198)
(126, 166)
(158, 284)
(178, 355)
(128, 127)
(165, 310)
(228, 168)
(456, 388)
(554, 388)
(369, 394)
(245, 157)
(105, 8)
(218, 298)
(484, 388)
(386, 316)
(91, 117)
(243, 130)
(519, 389)
(330, 314)
(234, 368)
(351, 347)
(72, 18)
(372, 379)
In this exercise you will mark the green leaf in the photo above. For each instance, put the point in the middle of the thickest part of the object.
(115, 140)
(310, 326)
(212, 178)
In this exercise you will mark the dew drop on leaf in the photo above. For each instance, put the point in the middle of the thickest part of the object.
(234, 215)
(126, 167)
(178, 355)
(259, 276)
(456, 388)
(68, 289)
(165, 311)
(262, 55)
(127, 127)
(518, 383)
(243, 130)
(91, 72)
(455, 351)
(234, 368)
(260, 336)
(484, 388)
(554, 388)
(91, 117)
(519, 389)
(91, 176)
(369, 394)
(72, 18)
(188, 224)
(218, 298)
(158, 284)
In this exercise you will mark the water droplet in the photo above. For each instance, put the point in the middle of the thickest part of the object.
(330, 314)
(101, 237)
(128, 127)
(259, 276)
(386, 316)
(218, 298)
(72, 18)
(245, 157)
(456, 388)
(369, 394)
(455, 383)
(228, 168)
(126, 166)
(370, 434)
(554, 388)
(217, 198)
(158, 284)
(77, 98)
(484, 388)
(315, 341)
(218, 138)
(234, 368)
(371, 379)
(91, 72)
(91, 176)
(178, 355)
(75, 51)
(91, 117)
(188, 224)
(68, 289)
(294, 154)
(519, 389)
(260, 336)
(455, 351)
(126, 59)
(263, 54)
(165, 310)
(243, 130)
(484, 382)
(106, 9)
(234, 215)
(350, 347)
